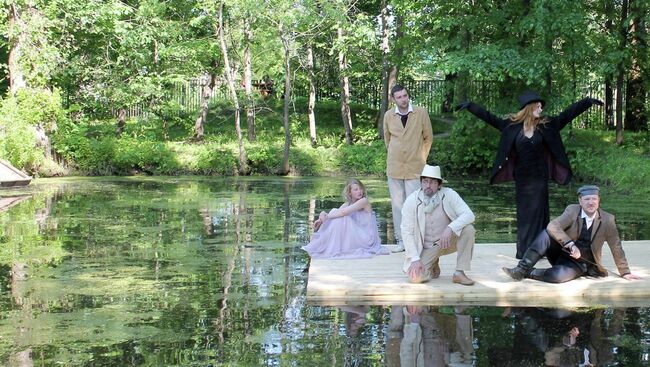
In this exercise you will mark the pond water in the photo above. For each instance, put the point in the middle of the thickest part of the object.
(209, 272)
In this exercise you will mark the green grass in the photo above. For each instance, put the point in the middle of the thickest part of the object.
(150, 146)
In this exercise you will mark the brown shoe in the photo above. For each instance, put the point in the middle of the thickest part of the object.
(435, 272)
(460, 278)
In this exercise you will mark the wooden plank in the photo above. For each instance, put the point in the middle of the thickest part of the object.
(380, 281)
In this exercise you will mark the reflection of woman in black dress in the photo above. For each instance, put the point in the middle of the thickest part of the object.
(531, 152)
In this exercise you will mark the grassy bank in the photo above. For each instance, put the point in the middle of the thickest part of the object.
(464, 147)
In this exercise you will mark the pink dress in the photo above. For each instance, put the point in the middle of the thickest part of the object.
(352, 236)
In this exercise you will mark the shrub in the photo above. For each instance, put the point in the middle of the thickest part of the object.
(214, 160)
(19, 116)
(363, 159)
(470, 148)
(264, 157)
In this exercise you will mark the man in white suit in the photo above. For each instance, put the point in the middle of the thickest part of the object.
(435, 222)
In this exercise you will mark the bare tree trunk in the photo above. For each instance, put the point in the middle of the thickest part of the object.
(398, 53)
(385, 70)
(16, 40)
(121, 121)
(621, 75)
(287, 99)
(312, 96)
(243, 165)
(609, 78)
(206, 92)
(248, 76)
(345, 89)
(635, 91)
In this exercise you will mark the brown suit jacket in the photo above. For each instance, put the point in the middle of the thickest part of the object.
(567, 227)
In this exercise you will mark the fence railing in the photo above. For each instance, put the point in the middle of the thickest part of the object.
(437, 96)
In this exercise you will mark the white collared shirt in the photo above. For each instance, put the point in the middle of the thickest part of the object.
(589, 220)
(410, 109)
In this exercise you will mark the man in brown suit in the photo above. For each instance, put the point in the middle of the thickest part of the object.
(573, 244)
(407, 135)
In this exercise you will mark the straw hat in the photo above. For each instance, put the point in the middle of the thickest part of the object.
(432, 172)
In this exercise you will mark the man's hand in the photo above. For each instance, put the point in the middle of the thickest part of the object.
(445, 239)
(631, 277)
(416, 269)
(596, 101)
(575, 252)
(462, 106)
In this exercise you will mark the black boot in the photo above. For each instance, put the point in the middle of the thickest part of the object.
(524, 267)
(537, 274)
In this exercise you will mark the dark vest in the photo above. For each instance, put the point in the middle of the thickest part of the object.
(584, 245)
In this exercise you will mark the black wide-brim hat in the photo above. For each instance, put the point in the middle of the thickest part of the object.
(529, 96)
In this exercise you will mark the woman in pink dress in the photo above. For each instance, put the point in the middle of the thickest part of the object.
(347, 232)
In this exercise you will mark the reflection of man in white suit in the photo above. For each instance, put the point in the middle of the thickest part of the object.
(435, 339)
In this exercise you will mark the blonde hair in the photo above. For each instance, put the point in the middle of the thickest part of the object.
(347, 191)
(525, 116)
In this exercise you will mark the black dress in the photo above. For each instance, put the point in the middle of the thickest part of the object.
(531, 189)
(531, 182)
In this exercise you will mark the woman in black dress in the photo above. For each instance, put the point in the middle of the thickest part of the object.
(531, 153)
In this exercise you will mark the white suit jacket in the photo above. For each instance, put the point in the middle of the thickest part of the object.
(413, 220)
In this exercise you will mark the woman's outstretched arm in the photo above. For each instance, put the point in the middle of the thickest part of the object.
(483, 114)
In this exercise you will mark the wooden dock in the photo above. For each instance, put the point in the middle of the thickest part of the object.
(380, 281)
(11, 176)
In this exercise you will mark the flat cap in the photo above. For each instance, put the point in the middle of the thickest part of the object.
(588, 190)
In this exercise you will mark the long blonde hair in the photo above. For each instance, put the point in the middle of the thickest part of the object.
(347, 191)
(525, 116)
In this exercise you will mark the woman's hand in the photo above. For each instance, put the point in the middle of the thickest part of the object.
(595, 101)
(462, 106)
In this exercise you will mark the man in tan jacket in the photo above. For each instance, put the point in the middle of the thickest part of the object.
(407, 135)
(573, 244)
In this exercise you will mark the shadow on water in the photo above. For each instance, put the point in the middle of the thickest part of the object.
(209, 271)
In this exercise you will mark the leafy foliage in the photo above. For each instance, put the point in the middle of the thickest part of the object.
(470, 148)
(20, 115)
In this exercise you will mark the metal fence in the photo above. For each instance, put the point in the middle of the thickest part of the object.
(437, 96)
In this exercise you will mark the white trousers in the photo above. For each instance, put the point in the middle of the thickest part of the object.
(399, 190)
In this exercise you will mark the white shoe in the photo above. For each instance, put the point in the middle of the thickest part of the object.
(398, 248)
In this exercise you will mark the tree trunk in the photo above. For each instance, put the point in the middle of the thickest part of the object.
(635, 91)
(287, 99)
(609, 78)
(206, 92)
(121, 121)
(385, 70)
(345, 89)
(448, 103)
(243, 165)
(16, 40)
(609, 103)
(620, 79)
(312, 96)
(398, 53)
(248, 76)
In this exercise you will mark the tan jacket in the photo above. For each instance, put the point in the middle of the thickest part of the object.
(408, 147)
(567, 227)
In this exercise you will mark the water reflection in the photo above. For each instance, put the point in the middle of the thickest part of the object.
(557, 337)
(427, 336)
(197, 272)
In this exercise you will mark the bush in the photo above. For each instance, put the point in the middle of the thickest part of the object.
(363, 159)
(470, 148)
(264, 157)
(19, 117)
